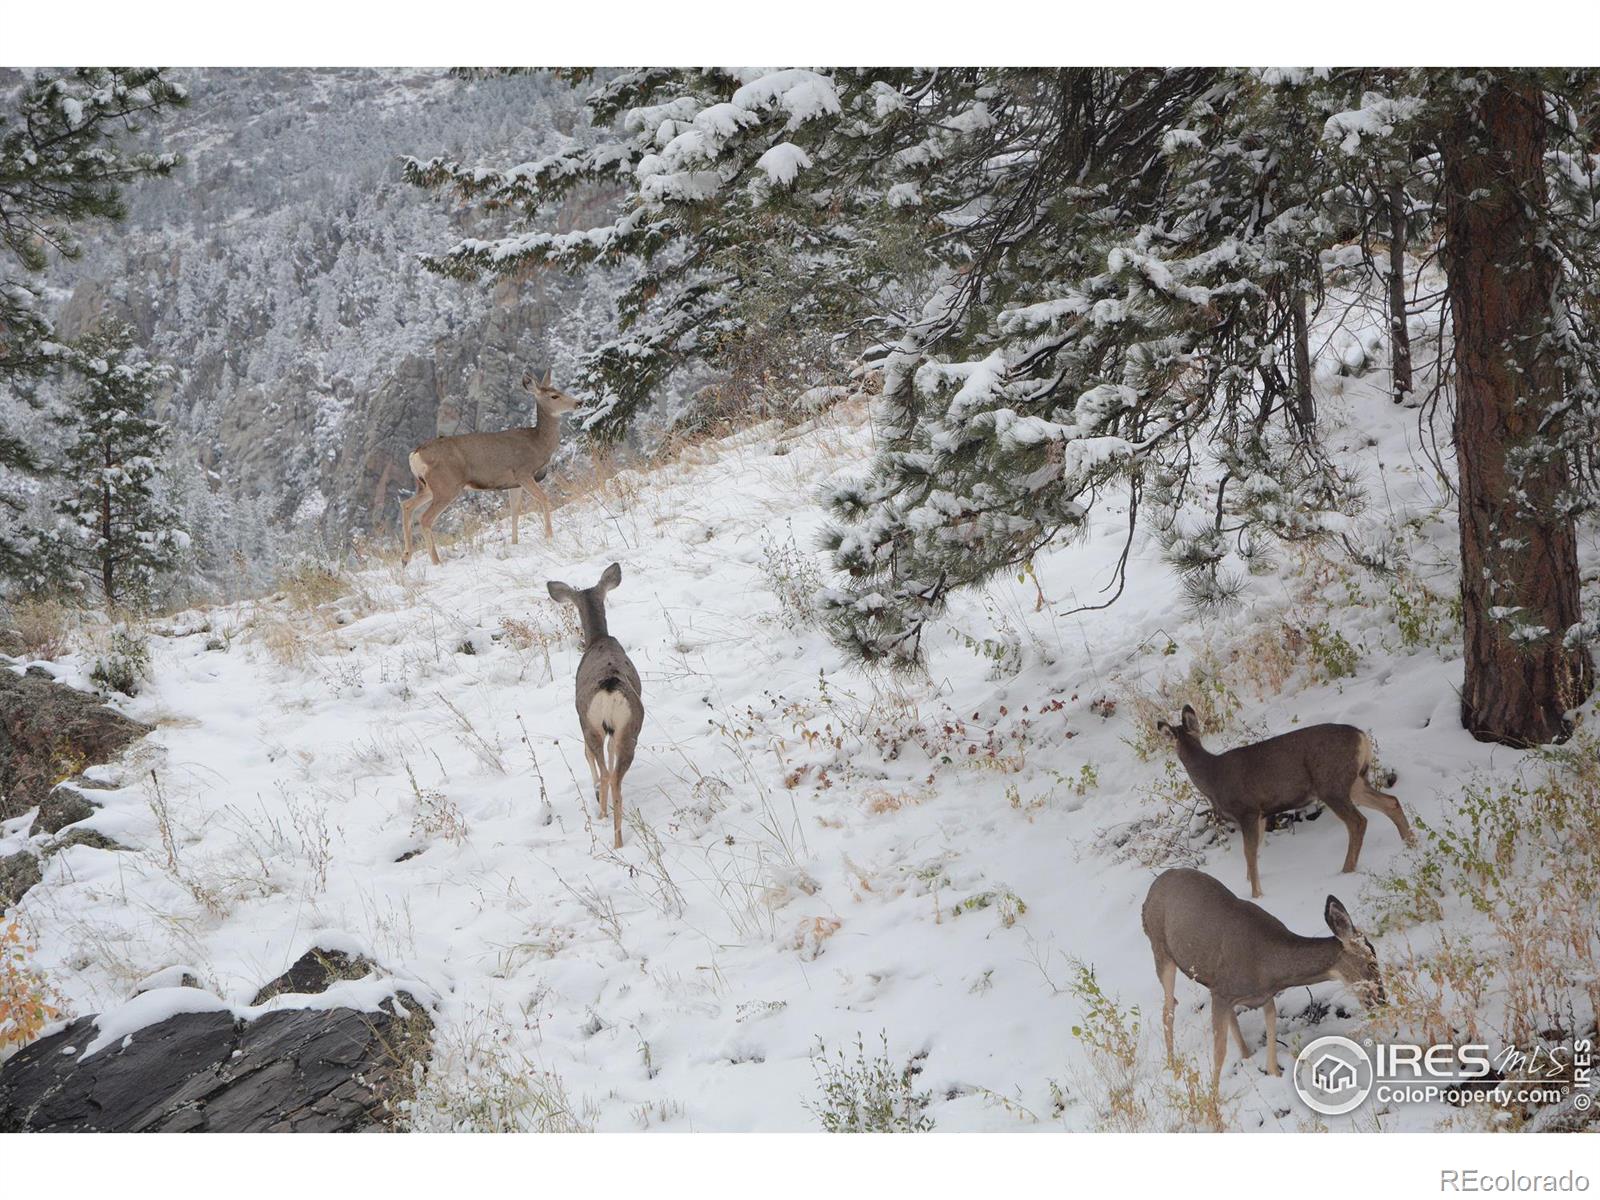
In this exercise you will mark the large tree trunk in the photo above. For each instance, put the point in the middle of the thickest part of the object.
(107, 578)
(1399, 335)
(1519, 568)
(1305, 410)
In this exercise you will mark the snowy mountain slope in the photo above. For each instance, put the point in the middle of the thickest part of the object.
(278, 273)
(812, 852)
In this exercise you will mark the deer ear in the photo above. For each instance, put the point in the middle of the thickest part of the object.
(1339, 920)
(548, 376)
(527, 381)
(1191, 720)
(1163, 727)
(611, 578)
(560, 591)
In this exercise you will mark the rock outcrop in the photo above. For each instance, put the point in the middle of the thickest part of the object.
(49, 731)
(18, 873)
(328, 1069)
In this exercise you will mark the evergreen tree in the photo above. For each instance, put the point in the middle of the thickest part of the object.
(1086, 280)
(118, 532)
(1523, 390)
(62, 164)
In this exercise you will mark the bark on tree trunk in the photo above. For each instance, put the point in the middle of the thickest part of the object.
(106, 578)
(1305, 411)
(1519, 569)
(1399, 335)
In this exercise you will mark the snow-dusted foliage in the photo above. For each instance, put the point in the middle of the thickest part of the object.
(745, 217)
(64, 156)
(1073, 280)
(118, 534)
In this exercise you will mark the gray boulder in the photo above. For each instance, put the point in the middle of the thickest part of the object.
(47, 731)
(309, 1070)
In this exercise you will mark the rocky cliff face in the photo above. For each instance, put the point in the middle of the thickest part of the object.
(304, 1067)
(279, 274)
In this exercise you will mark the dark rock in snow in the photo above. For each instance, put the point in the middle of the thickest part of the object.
(48, 730)
(306, 1070)
(62, 807)
(82, 837)
(314, 971)
(18, 873)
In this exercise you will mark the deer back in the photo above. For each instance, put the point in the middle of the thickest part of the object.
(1280, 773)
(605, 663)
(1237, 949)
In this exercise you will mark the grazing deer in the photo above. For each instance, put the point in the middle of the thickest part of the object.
(514, 460)
(1320, 762)
(1246, 956)
(610, 703)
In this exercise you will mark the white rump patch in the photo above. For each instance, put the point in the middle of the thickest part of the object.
(610, 710)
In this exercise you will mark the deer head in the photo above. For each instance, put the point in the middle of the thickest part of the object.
(590, 602)
(546, 394)
(1357, 964)
(1188, 725)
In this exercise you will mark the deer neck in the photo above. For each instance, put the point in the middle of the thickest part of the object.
(592, 615)
(1196, 759)
(1303, 960)
(546, 424)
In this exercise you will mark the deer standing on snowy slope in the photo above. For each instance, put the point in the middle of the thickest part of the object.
(1320, 762)
(609, 700)
(514, 460)
(1246, 956)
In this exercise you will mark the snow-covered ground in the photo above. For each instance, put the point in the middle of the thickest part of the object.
(811, 853)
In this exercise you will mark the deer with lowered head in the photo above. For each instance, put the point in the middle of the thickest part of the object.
(610, 702)
(1246, 956)
(513, 460)
(1291, 771)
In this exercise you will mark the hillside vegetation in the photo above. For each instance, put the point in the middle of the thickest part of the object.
(845, 898)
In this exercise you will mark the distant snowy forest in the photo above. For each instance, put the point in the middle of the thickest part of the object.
(278, 273)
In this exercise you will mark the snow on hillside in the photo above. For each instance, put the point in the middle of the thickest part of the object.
(812, 852)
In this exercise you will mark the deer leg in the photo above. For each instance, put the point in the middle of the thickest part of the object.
(1363, 793)
(622, 758)
(616, 811)
(1355, 825)
(1220, 1011)
(1238, 1034)
(534, 489)
(594, 749)
(516, 510)
(440, 502)
(1272, 1036)
(1252, 827)
(408, 506)
(1168, 972)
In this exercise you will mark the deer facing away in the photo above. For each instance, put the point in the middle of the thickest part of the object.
(609, 699)
(1320, 762)
(513, 460)
(1246, 956)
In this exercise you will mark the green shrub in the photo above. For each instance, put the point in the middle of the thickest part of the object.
(124, 664)
(868, 1095)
